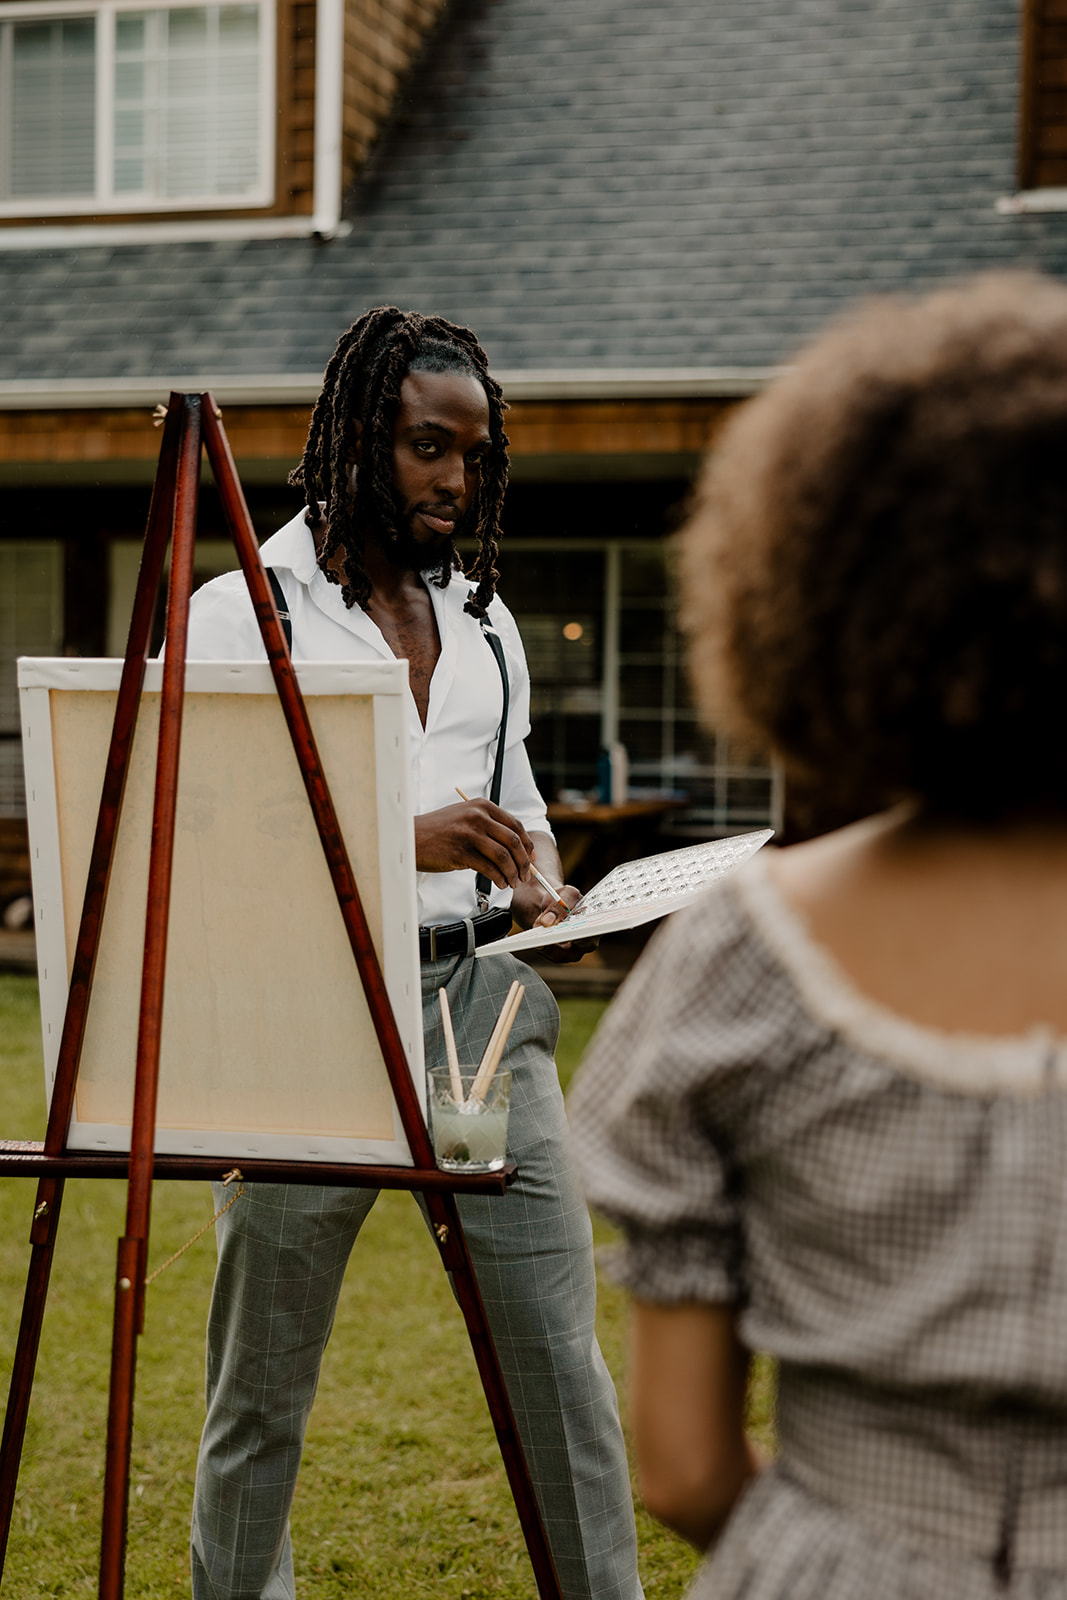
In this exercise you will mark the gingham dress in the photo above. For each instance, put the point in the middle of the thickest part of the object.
(886, 1205)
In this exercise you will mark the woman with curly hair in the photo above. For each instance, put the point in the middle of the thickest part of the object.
(829, 1108)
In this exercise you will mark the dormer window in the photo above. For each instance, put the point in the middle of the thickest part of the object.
(112, 107)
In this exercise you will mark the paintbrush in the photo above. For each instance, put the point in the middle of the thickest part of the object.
(450, 1049)
(498, 1039)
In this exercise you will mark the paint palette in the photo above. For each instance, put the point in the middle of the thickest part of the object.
(641, 891)
(665, 877)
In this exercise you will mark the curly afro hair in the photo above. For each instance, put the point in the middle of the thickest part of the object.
(875, 565)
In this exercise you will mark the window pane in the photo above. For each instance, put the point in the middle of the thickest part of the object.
(129, 175)
(129, 81)
(52, 129)
(647, 744)
(197, 92)
(643, 573)
(187, 29)
(187, 105)
(561, 648)
(33, 43)
(645, 686)
(129, 130)
(643, 631)
(557, 599)
(238, 25)
(129, 31)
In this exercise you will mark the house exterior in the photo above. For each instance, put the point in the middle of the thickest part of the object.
(642, 211)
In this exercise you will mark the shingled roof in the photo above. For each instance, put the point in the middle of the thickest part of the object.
(601, 184)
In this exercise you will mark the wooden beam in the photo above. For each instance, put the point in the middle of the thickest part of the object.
(268, 433)
(615, 427)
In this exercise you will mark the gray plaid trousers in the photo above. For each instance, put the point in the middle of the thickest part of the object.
(283, 1250)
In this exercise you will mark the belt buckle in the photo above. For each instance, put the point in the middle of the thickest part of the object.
(433, 942)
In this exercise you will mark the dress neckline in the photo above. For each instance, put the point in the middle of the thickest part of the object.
(1027, 1063)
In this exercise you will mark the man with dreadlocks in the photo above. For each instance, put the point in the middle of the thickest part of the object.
(406, 454)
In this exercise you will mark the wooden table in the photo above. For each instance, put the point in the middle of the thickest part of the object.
(593, 837)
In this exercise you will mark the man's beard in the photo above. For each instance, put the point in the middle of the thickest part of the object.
(431, 557)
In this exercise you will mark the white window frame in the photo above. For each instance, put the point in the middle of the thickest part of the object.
(105, 200)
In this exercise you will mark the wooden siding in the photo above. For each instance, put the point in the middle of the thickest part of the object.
(614, 427)
(1043, 96)
(295, 159)
(624, 428)
(382, 41)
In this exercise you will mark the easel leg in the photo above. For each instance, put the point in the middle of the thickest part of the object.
(50, 1191)
(43, 1240)
(448, 1232)
(128, 1275)
(133, 1247)
(441, 1208)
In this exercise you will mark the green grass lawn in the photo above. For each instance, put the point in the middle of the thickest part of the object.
(401, 1493)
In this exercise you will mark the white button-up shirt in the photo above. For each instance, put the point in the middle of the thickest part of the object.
(457, 747)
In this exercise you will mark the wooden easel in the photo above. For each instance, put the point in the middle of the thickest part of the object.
(193, 422)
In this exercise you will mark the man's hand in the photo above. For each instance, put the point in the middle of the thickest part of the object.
(533, 907)
(478, 835)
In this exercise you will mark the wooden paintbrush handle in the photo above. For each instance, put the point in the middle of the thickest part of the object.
(500, 1039)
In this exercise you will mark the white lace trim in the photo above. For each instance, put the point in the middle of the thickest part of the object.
(1018, 1064)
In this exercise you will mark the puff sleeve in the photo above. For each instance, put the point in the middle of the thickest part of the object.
(657, 1111)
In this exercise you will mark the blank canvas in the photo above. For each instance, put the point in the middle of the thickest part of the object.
(268, 1045)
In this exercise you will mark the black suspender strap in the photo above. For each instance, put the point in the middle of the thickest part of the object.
(279, 600)
(482, 884)
(492, 639)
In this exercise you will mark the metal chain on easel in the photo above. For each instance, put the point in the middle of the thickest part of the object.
(236, 1176)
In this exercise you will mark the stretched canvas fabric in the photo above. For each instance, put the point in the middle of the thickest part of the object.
(267, 1037)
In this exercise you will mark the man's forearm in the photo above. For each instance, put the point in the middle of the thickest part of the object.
(546, 858)
(530, 903)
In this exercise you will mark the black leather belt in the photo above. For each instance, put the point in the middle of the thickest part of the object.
(450, 939)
